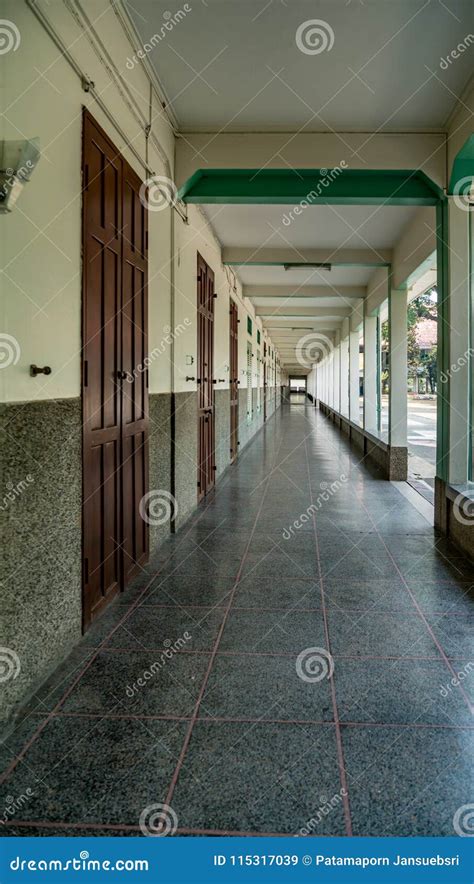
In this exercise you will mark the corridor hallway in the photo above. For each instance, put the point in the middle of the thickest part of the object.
(206, 688)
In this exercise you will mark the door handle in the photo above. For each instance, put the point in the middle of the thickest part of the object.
(121, 375)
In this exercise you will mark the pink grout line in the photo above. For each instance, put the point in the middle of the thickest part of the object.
(292, 654)
(187, 738)
(421, 614)
(124, 827)
(218, 719)
(339, 609)
(340, 749)
(15, 761)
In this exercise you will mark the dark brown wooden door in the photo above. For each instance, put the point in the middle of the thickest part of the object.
(264, 382)
(114, 403)
(135, 384)
(234, 379)
(205, 353)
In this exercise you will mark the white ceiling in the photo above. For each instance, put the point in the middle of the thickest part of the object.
(253, 274)
(235, 64)
(317, 227)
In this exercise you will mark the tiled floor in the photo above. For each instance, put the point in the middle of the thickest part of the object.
(206, 687)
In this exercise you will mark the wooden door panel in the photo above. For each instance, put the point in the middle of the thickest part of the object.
(205, 363)
(115, 412)
(135, 383)
(234, 379)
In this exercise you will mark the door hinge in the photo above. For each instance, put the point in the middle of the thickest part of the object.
(86, 570)
(86, 372)
(86, 176)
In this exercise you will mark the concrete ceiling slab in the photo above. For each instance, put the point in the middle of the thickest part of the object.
(252, 65)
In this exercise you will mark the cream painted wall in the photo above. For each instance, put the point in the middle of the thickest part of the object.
(191, 238)
(42, 236)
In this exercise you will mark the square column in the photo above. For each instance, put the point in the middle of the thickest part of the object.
(344, 380)
(455, 381)
(398, 389)
(354, 376)
(370, 374)
(337, 374)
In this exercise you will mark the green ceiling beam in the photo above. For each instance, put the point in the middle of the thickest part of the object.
(462, 174)
(311, 187)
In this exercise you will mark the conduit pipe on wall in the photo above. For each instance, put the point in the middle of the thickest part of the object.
(116, 77)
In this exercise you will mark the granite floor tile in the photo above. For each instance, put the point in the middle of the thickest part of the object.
(272, 791)
(272, 631)
(100, 771)
(399, 692)
(286, 593)
(159, 682)
(407, 781)
(265, 686)
(378, 634)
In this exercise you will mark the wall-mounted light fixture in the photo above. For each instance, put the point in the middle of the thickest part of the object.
(17, 162)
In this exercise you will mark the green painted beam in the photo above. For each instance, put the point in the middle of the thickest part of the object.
(462, 174)
(311, 187)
